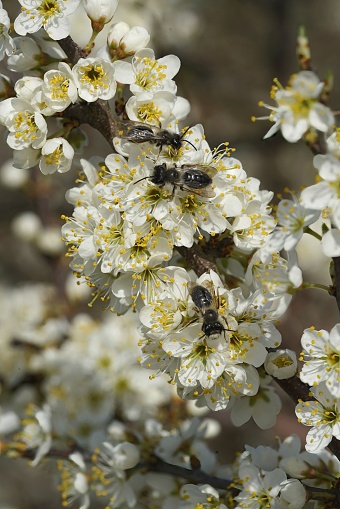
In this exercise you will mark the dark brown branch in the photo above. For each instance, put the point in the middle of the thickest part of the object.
(72, 50)
(336, 280)
(295, 389)
(196, 476)
(97, 115)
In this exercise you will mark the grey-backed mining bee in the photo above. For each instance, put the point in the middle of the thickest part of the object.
(207, 306)
(196, 178)
(138, 132)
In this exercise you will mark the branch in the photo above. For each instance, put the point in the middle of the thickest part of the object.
(295, 389)
(336, 262)
(196, 476)
(97, 114)
(72, 50)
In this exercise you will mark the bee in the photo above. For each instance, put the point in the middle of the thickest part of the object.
(138, 132)
(195, 178)
(207, 305)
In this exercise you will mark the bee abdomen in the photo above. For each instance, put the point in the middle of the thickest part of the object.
(196, 179)
(201, 297)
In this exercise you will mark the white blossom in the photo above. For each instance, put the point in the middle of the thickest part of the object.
(74, 485)
(281, 364)
(323, 414)
(298, 108)
(52, 16)
(26, 56)
(56, 155)
(36, 432)
(94, 78)
(147, 75)
(321, 358)
(263, 407)
(203, 496)
(59, 88)
(27, 127)
(7, 45)
(292, 218)
(260, 490)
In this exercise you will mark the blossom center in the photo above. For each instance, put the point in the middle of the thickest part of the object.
(48, 8)
(151, 72)
(93, 75)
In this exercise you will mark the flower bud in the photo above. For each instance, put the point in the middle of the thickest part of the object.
(281, 364)
(136, 39)
(124, 41)
(100, 12)
(116, 33)
(127, 455)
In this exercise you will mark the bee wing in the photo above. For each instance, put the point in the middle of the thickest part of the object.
(136, 131)
(192, 286)
(206, 168)
(206, 192)
(209, 285)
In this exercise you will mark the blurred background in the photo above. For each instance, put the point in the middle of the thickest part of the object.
(230, 52)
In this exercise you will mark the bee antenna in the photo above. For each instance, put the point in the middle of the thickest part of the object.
(144, 178)
(187, 141)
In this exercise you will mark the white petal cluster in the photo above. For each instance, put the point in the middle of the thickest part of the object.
(298, 107)
(321, 358)
(26, 125)
(269, 489)
(124, 226)
(281, 364)
(59, 88)
(263, 407)
(23, 313)
(74, 484)
(152, 86)
(211, 368)
(292, 218)
(263, 479)
(84, 395)
(323, 414)
(94, 78)
(203, 496)
(53, 16)
(7, 45)
(37, 431)
(324, 196)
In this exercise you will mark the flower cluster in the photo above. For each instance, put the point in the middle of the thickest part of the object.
(172, 229)
(211, 341)
(324, 196)
(80, 397)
